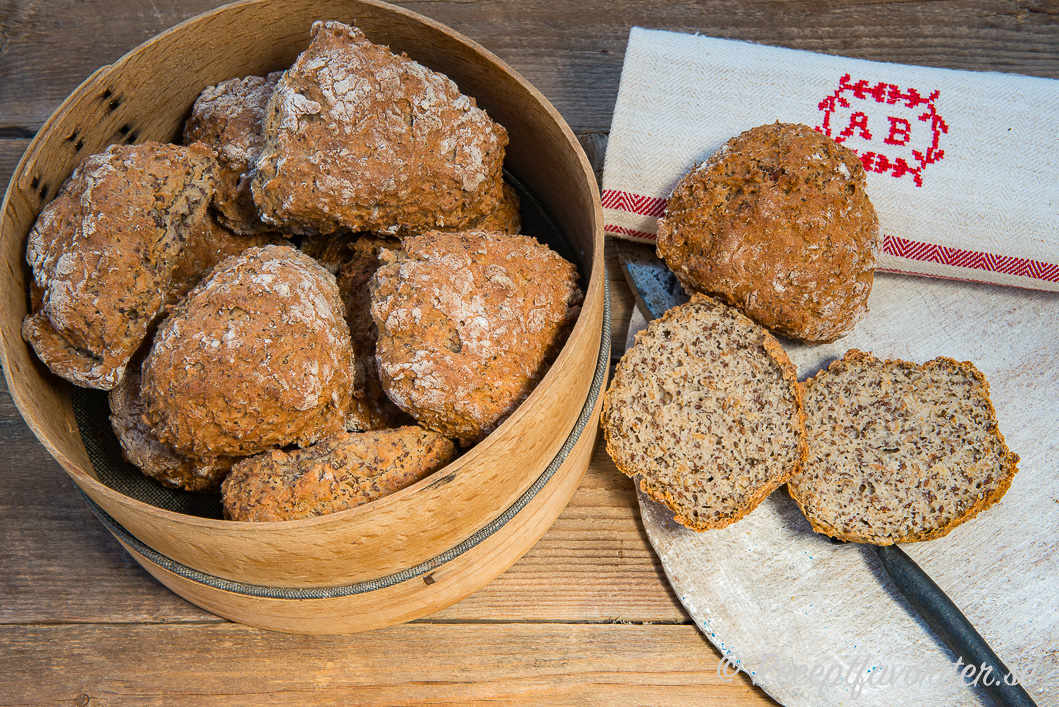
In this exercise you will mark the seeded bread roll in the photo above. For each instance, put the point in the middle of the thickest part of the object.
(257, 356)
(468, 325)
(103, 254)
(358, 138)
(505, 218)
(705, 409)
(778, 224)
(142, 448)
(338, 473)
(354, 258)
(228, 118)
(207, 245)
(899, 452)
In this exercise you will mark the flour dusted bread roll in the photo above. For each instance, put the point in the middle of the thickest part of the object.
(337, 473)
(358, 138)
(206, 246)
(354, 258)
(141, 447)
(228, 118)
(778, 224)
(705, 409)
(899, 452)
(103, 254)
(468, 325)
(257, 356)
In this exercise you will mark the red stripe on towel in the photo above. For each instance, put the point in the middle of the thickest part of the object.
(633, 203)
(892, 245)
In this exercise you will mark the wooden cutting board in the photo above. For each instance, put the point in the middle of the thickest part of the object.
(775, 598)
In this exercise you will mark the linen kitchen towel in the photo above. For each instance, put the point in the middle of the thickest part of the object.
(963, 167)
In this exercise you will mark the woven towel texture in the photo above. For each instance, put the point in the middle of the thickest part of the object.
(961, 165)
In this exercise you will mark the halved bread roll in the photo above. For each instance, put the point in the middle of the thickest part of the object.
(705, 409)
(899, 452)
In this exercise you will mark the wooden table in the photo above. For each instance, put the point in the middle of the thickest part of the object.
(586, 617)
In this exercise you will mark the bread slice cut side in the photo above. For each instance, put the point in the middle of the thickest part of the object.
(899, 452)
(705, 410)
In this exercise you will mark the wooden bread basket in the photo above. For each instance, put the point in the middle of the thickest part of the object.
(428, 545)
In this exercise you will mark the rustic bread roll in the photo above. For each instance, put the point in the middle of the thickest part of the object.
(354, 258)
(103, 254)
(229, 118)
(705, 409)
(142, 448)
(358, 138)
(468, 324)
(338, 473)
(899, 452)
(258, 356)
(777, 223)
(505, 218)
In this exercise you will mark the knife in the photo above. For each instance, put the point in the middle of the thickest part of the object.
(657, 290)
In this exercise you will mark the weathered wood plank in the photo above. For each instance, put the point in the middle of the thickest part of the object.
(10, 153)
(622, 303)
(60, 564)
(571, 51)
(416, 663)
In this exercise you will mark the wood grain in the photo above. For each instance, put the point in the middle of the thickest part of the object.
(10, 153)
(549, 664)
(61, 565)
(571, 51)
(76, 609)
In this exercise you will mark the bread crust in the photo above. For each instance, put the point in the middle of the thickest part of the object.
(354, 258)
(403, 150)
(778, 224)
(258, 356)
(103, 253)
(468, 324)
(505, 218)
(229, 118)
(805, 493)
(615, 436)
(207, 245)
(142, 448)
(336, 474)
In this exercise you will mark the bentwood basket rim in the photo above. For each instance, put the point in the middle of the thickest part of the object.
(583, 426)
(595, 270)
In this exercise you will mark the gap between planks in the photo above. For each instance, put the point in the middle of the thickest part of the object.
(545, 664)
(572, 52)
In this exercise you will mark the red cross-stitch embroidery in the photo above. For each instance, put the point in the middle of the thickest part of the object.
(891, 130)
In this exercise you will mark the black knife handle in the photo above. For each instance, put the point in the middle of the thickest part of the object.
(949, 623)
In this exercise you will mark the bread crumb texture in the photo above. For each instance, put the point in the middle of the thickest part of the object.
(258, 356)
(338, 473)
(899, 452)
(468, 324)
(361, 139)
(778, 224)
(705, 409)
